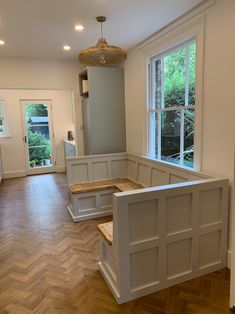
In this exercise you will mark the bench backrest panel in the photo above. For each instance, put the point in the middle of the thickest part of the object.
(141, 169)
(154, 173)
(96, 168)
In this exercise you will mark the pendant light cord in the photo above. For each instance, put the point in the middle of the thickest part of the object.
(101, 29)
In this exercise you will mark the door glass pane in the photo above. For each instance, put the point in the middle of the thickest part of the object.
(189, 116)
(38, 135)
(174, 78)
(170, 136)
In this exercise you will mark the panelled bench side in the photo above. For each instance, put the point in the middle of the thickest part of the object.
(165, 235)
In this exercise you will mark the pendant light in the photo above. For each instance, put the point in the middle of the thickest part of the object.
(102, 54)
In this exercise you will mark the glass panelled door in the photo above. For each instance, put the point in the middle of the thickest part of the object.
(38, 136)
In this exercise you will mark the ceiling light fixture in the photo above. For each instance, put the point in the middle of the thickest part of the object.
(102, 54)
(2, 42)
(67, 48)
(79, 27)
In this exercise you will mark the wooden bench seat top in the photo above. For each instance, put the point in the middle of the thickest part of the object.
(121, 184)
(106, 229)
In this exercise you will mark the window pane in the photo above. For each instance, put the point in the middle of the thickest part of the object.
(173, 85)
(192, 73)
(170, 136)
(189, 137)
(174, 78)
(1, 117)
(156, 134)
(157, 84)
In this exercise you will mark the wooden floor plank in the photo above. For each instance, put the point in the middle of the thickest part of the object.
(48, 264)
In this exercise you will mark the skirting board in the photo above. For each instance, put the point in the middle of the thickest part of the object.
(90, 216)
(60, 169)
(22, 173)
(14, 174)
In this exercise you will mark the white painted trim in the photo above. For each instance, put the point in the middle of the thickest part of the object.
(109, 282)
(229, 259)
(75, 158)
(3, 136)
(232, 217)
(38, 170)
(88, 216)
(192, 29)
(60, 169)
(14, 174)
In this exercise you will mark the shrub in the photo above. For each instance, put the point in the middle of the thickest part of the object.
(38, 153)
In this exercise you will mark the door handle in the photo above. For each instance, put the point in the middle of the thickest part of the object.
(25, 139)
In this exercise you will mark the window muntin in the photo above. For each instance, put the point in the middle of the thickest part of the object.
(172, 112)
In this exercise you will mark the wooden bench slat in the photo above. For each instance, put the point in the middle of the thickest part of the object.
(106, 230)
(128, 186)
(121, 184)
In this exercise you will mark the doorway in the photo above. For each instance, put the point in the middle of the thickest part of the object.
(38, 136)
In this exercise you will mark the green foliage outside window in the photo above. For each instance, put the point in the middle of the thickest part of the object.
(39, 110)
(174, 77)
(174, 87)
(39, 147)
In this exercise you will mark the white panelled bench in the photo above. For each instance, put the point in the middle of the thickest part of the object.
(171, 230)
(95, 199)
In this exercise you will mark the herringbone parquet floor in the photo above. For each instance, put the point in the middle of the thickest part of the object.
(49, 264)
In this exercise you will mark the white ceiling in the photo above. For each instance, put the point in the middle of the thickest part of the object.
(39, 28)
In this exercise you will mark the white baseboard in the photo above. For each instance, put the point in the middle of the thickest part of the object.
(229, 257)
(60, 169)
(88, 216)
(22, 173)
(14, 174)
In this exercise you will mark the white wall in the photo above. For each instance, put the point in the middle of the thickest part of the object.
(218, 102)
(12, 147)
(218, 125)
(26, 79)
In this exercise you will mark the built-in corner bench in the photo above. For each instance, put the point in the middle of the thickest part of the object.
(171, 230)
(94, 199)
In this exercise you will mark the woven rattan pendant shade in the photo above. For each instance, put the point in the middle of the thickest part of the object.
(102, 54)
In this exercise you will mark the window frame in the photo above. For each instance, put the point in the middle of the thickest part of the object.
(153, 110)
(165, 44)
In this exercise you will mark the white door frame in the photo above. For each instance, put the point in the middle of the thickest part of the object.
(38, 170)
(232, 233)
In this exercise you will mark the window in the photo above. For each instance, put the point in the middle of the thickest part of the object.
(2, 118)
(172, 105)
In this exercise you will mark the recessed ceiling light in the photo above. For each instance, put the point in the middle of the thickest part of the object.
(79, 27)
(2, 42)
(66, 47)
